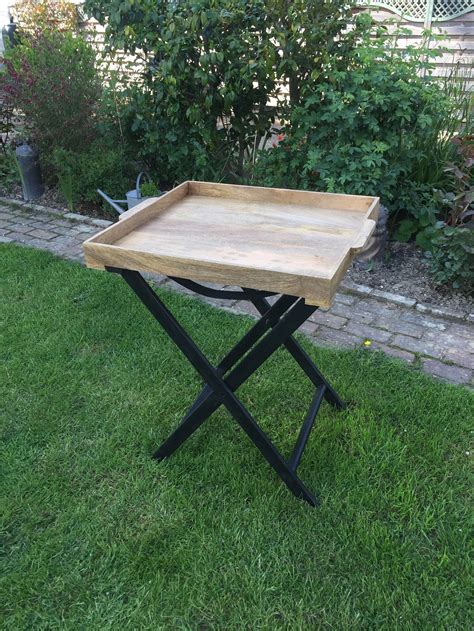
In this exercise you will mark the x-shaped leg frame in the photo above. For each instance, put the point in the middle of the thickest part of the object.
(274, 329)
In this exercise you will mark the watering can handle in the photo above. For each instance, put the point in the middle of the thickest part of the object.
(139, 177)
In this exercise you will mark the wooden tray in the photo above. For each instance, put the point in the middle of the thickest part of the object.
(293, 242)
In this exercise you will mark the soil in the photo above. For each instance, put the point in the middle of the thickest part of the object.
(405, 270)
(53, 199)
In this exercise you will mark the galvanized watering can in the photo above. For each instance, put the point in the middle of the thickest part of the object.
(134, 196)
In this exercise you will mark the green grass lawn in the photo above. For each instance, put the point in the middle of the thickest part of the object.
(97, 535)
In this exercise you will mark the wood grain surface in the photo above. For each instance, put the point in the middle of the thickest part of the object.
(294, 242)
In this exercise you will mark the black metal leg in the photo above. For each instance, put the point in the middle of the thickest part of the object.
(299, 354)
(276, 326)
(198, 413)
(209, 403)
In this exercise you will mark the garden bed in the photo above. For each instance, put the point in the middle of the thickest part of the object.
(52, 198)
(405, 270)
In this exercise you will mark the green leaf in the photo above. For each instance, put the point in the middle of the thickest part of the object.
(406, 230)
(425, 238)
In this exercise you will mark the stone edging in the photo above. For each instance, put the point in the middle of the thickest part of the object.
(410, 303)
(65, 214)
(346, 286)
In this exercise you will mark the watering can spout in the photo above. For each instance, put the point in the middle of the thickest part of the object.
(113, 202)
(134, 196)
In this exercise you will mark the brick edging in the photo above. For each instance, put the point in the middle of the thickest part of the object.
(347, 287)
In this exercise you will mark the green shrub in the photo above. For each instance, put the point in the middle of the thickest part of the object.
(452, 249)
(444, 224)
(452, 257)
(203, 105)
(422, 211)
(51, 77)
(357, 130)
(437, 146)
(80, 174)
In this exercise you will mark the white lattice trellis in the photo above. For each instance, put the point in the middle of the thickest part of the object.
(448, 9)
(424, 10)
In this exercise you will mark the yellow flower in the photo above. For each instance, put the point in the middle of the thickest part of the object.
(367, 343)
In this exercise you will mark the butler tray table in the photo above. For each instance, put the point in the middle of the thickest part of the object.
(266, 241)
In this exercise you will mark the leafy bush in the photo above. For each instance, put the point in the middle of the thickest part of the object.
(203, 106)
(357, 129)
(452, 247)
(444, 224)
(51, 77)
(460, 200)
(437, 146)
(452, 257)
(81, 173)
(422, 209)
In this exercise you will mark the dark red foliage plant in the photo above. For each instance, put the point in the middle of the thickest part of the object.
(51, 78)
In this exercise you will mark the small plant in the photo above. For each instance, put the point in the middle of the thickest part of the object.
(452, 246)
(9, 171)
(66, 186)
(460, 200)
(80, 174)
(149, 189)
(423, 206)
(452, 257)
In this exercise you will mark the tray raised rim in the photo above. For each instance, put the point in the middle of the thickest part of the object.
(100, 249)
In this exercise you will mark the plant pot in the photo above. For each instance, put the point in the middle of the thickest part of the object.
(375, 248)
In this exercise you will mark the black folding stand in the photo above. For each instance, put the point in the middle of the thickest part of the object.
(275, 328)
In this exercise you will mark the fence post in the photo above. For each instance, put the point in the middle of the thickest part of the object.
(428, 14)
(427, 25)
